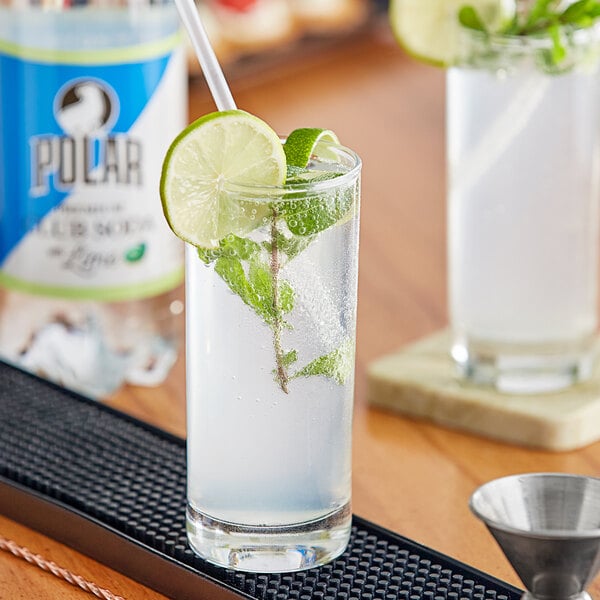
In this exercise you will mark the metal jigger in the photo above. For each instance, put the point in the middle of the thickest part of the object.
(548, 525)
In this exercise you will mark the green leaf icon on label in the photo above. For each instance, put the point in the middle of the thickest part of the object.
(134, 254)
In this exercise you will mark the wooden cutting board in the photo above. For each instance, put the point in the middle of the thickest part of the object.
(421, 381)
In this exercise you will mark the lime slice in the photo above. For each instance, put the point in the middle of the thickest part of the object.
(223, 147)
(301, 143)
(430, 30)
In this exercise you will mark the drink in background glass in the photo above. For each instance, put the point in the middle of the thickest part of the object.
(90, 97)
(523, 177)
(523, 93)
(270, 392)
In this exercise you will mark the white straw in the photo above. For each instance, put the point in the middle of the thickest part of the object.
(500, 133)
(206, 55)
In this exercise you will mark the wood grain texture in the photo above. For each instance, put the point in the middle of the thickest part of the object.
(410, 476)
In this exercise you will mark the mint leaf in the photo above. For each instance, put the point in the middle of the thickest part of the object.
(308, 215)
(243, 248)
(289, 358)
(574, 12)
(290, 246)
(255, 290)
(543, 18)
(231, 246)
(232, 272)
(208, 255)
(539, 11)
(469, 17)
(581, 14)
(337, 365)
(286, 296)
(558, 52)
(261, 283)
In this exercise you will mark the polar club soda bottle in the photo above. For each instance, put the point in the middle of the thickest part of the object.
(90, 97)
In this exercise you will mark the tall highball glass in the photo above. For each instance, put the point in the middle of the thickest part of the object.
(271, 313)
(523, 146)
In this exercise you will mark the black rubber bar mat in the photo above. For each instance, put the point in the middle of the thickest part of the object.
(113, 488)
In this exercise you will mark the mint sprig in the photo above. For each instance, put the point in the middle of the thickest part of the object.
(252, 271)
(543, 18)
(337, 365)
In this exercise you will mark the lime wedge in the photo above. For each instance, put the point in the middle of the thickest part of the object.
(222, 147)
(301, 143)
(430, 31)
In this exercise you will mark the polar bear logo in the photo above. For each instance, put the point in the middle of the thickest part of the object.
(84, 107)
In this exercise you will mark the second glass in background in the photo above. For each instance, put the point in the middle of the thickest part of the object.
(524, 165)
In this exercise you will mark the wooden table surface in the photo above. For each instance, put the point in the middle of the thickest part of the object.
(412, 477)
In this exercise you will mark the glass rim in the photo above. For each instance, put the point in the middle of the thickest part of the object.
(578, 36)
(323, 185)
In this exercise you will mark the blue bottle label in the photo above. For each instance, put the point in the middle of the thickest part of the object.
(82, 139)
